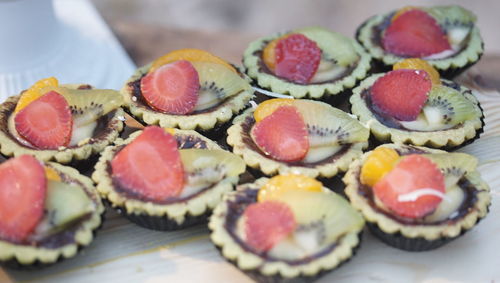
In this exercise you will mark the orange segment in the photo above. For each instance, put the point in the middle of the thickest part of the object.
(269, 54)
(267, 107)
(280, 184)
(189, 54)
(419, 64)
(402, 11)
(170, 131)
(34, 92)
(52, 174)
(380, 162)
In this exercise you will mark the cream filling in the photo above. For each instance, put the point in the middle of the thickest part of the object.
(430, 119)
(300, 244)
(456, 37)
(327, 71)
(78, 134)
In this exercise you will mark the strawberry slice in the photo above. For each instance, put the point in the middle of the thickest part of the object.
(297, 58)
(415, 33)
(282, 135)
(413, 188)
(267, 223)
(150, 166)
(401, 93)
(172, 88)
(46, 122)
(22, 197)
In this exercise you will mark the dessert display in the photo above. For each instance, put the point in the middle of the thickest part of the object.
(311, 62)
(415, 198)
(48, 212)
(445, 36)
(62, 123)
(297, 136)
(412, 105)
(187, 89)
(166, 179)
(288, 227)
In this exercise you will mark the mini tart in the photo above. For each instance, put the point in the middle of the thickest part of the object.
(361, 106)
(264, 78)
(414, 236)
(64, 244)
(204, 120)
(243, 145)
(369, 34)
(108, 129)
(259, 266)
(170, 215)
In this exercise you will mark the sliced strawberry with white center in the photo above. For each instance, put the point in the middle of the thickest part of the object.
(22, 197)
(150, 165)
(46, 122)
(172, 88)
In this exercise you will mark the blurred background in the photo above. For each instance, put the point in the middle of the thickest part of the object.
(199, 23)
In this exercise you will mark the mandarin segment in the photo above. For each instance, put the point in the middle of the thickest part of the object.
(189, 54)
(402, 11)
(267, 107)
(419, 64)
(51, 174)
(269, 54)
(380, 162)
(278, 185)
(35, 92)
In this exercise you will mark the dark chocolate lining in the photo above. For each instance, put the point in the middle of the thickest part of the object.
(237, 207)
(248, 141)
(464, 184)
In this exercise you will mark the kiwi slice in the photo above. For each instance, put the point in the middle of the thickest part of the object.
(205, 167)
(64, 204)
(445, 108)
(217, 83)
(453, 165)
(326, 215)
(334, 46)
(452, 15)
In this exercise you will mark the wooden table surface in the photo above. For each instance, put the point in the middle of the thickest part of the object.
(124, 252)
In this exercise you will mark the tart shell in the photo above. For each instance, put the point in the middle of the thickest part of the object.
(251, 61)
(270, 167)
(85, 148)
(449, 67)
(204, 121)
(263, 270)
(29, 257)
(449, 139)
(415, 237)
(156, 216)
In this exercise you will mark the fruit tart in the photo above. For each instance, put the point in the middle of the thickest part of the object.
(446, 36)
(311, 62)
(48, 212)
(166, 179)
(63, 123)
(416, 198)
(288, 228)
(189, 89)
(297, 136)
(412, 105)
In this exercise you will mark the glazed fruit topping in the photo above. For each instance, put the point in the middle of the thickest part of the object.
(34, 92)
(413, 189)
(282, 135)
(191, 55)
(419, 64)
(267, 223)
(278, 185)
(380, 162)
(22, 195)
(150, 165)
(172, 88)
(297, 58)
(401, 93)
(46, 122)
(415, 33)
